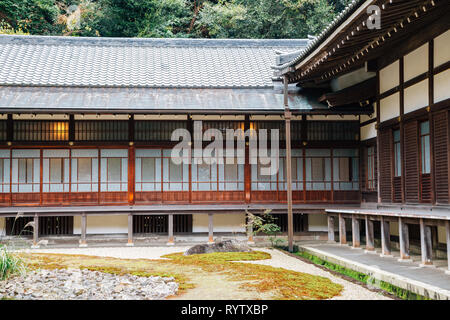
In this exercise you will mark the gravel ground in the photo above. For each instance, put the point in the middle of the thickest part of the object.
(75, 284)
(116, 252)
(351, 290)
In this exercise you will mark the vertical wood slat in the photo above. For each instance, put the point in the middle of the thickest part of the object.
(441, 156)
(385, 174)
(411, 162)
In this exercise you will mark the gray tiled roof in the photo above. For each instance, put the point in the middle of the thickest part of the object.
(132, 63)
(141, 100)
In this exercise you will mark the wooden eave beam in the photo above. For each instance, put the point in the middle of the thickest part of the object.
(338, 53)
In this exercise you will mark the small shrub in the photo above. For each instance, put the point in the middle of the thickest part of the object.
(9, 264)
(265, 224)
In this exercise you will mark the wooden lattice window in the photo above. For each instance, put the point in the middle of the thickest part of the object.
(333, 130)
(40, 130)
(440, 156)
(385, 165)
(3, 130)
(397, 154)
(151, 130)
(101, 130)
(371, 162)
(269, 125)
(222, 126)
(425, 147)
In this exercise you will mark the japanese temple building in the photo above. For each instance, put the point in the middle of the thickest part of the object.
(363, 116)
(402, 70)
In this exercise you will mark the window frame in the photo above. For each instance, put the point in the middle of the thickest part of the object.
(371, 179)
(423, 159)
(397, 150)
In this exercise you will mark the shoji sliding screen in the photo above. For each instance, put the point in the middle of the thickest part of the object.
(25, 183)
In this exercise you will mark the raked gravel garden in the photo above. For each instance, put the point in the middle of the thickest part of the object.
(149, 273)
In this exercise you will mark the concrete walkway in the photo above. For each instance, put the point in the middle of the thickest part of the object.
(430, 282)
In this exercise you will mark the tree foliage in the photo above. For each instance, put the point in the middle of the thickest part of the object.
(171, 18)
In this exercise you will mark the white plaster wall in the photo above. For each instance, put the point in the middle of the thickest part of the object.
(442, 49)
(102, 224)
(442, 86)
(416, 96)
(368, 131)
(2, 227)
(221, 223)
(390, 107)
(390, 76)
(416, 62)
(317, 222)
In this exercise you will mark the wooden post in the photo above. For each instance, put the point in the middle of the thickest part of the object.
(331, 237)
(287, 118)
(250, 232)
(356, 239)
(131, 173)
(447, 227)
(210, 228)
(385, 238)
(130, 242)
(342, 230)
(425, 244)
(403, 232)
(370, 243)
(247, 166)
(83, 242)
(170, 241)
(35, 232)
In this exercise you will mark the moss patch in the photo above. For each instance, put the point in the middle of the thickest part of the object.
(289, 285)
(362, 277)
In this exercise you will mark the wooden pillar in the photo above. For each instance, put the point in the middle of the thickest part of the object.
(130, 242)
(71, 128)
(131, 173)
(342, 230)
(35, 232)
(247, 166)
(210, 228)
(385, 238)
(287, 118)
(356, 239)
(83, 242)
(170, 241)
(250, 232)
(331, 237)
(447, 227)
(370, 243)
(425, 244)
(403, 232)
